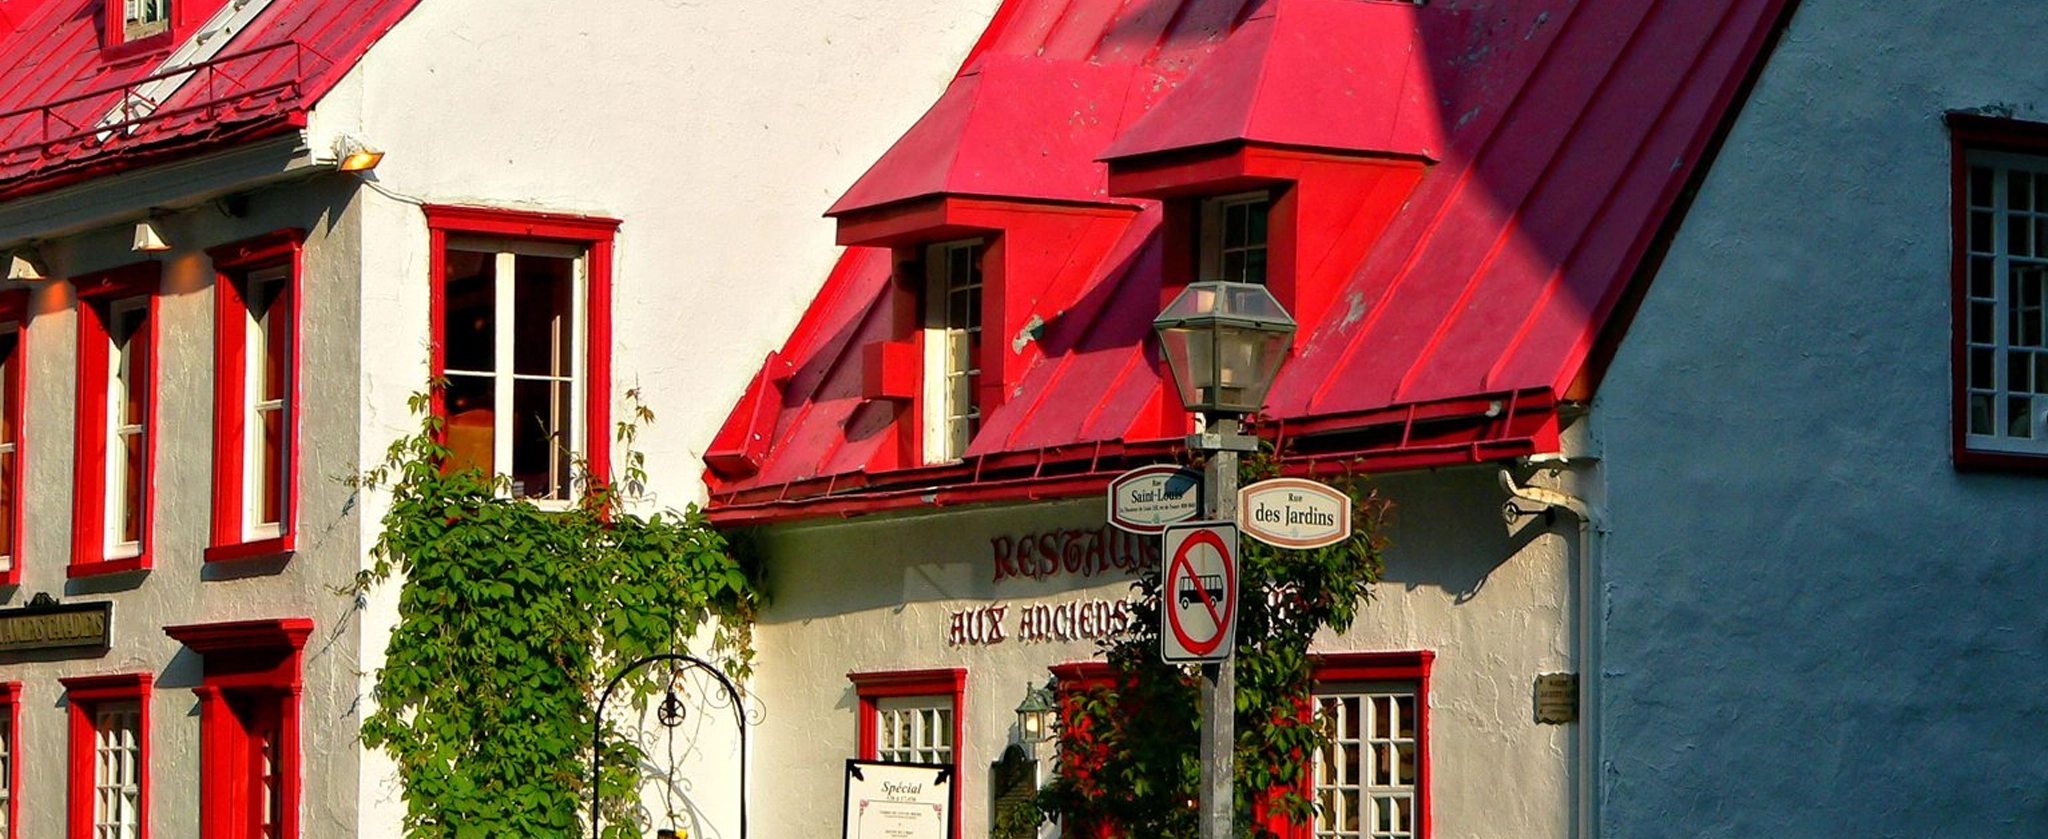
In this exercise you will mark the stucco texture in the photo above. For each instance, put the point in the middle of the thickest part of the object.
(1494, 603)
(1815, 625)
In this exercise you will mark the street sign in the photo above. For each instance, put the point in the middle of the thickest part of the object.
(1148, 498)
(1294, 513)
(1200, 592)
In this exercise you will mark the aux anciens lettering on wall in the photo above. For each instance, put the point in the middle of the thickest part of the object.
(1078, 620)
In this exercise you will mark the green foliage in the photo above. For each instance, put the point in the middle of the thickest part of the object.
(1130, 751)
(511, 617)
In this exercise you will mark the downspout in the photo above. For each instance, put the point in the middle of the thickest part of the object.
(1550, 501)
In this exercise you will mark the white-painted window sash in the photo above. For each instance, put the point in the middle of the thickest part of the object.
(262, 292)
(1362, 790)
(117, 769)
(2018, 267)
(951, 368)
(567, 364)
(1215, 213)
(121, 358)
(914, 729)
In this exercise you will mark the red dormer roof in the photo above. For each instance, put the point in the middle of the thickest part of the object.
(64, 79)
(1490, 176)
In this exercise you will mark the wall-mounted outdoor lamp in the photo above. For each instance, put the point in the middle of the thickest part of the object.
(148, 239)
(1035, 718)
(350, 155)
(28, 264)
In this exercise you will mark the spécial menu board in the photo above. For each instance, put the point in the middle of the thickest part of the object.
(898, 801)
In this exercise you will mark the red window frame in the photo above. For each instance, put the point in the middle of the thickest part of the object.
(10, 717)
(233, 266)
(251, 677)
(950, 682)
(594, 234)
(1404, 666)
(1976, 133)
(89, 546)
(14, 310)
(84, 694)
(186, 15)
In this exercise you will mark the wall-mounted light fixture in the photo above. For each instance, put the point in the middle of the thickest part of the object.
(148, 239)
(350, 155)
(27, 263)
(1035, 718)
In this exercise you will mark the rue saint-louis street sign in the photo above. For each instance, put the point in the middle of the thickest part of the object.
(1148, 498)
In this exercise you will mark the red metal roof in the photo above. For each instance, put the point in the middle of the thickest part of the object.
(62, 80)
(1463, 297)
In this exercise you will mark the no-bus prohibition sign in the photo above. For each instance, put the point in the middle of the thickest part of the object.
(1200, 594)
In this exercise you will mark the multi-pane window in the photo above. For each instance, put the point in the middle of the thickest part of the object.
(1366, 780)
(143, 18)
(266, 402)
(117, 770)
(2005, 366)
(128, 395)
(514, 345)
(952, 349)
(914, 729)
(1233, 239)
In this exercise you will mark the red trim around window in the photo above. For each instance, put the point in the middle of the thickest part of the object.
(14, 308)
(186, 16)
(10, 716)
(232, 264)
(949, 682)
(82, 694)
(1404, 666)
(89, 506)
(594, 233)
(1967, 133)
(251, 680)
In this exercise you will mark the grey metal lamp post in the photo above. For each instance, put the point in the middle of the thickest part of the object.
(1224, 342)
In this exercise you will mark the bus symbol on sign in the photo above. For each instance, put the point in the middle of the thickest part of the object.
(1201, 575)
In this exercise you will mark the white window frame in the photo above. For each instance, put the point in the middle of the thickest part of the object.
(117, 769)
(575, 363)
(11, 447)
(1213, 213)
(948, 425)
(1372, 787)
(143, 18)
(120, 363)
(1994, 297)
(927, 724)
(264, 287)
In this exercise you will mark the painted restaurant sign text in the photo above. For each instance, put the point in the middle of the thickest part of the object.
(1077, 553)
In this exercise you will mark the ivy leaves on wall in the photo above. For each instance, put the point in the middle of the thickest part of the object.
(510, 619)
(1129, 760)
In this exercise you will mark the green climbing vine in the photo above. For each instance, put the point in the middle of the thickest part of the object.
(1129, 751)
(510, 619)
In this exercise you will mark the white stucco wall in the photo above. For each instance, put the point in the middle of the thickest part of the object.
(1495, 606)
(1816, 626)
(717, 134)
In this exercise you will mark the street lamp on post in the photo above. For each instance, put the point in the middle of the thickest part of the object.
(1223, 342)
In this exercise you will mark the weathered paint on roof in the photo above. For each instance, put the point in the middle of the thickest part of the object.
(1560, 135)
(61, 80)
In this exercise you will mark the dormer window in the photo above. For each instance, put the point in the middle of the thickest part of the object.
(143, 18)
(952, 348)
(1233, 238)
